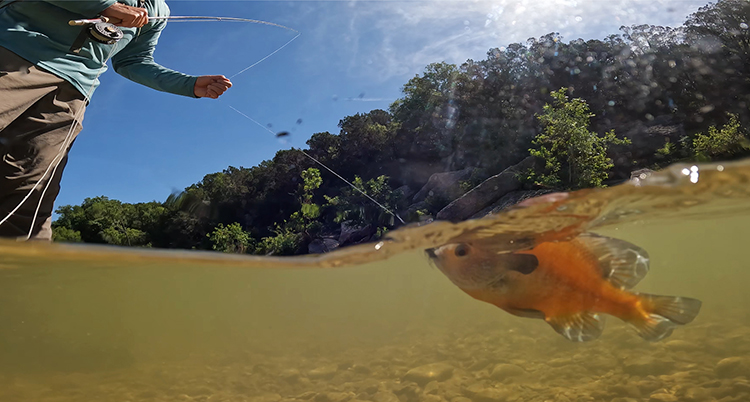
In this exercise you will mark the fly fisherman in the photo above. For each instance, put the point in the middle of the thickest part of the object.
(48, 70)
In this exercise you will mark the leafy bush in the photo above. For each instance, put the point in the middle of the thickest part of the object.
(230, 239)
(285, 242)
(724, 143)
(64, 234)
(573, 156)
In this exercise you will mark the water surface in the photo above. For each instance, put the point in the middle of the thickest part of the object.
(112, 324)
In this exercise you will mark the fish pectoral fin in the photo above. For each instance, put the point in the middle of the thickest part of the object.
(665, 313)
(623, 264)
(581, 327)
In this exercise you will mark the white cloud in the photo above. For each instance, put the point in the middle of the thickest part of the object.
(381, 40)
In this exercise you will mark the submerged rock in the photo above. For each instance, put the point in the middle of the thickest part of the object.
(481, 393)
(429, 372)
(324, 372)
(503, 371)
(647, 365)
(663, 397)
(732, 367)
(334, 397)
(385, 396)
(291, 375)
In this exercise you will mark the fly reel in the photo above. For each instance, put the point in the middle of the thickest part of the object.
(99, 30)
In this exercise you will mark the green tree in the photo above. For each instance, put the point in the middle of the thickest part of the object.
(230, 239)
(305, 219)
(725, 143)
(573, 156)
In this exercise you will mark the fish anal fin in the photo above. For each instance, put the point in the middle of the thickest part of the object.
(623, 264)
(665, 313)
(525, 312)
(581, 327)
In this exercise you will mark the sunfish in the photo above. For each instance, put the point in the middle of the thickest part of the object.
(569, 284)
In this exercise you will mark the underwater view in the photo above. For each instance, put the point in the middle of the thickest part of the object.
(378, 322)
(383, 201)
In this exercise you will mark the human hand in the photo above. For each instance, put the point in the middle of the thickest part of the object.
(211, 86)
(126, 16)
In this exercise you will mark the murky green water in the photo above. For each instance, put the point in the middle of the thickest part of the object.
(90, 324)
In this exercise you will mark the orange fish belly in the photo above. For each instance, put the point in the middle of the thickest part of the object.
(567, 281)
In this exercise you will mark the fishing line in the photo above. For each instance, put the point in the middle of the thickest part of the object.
(59, 156)
(383, 207)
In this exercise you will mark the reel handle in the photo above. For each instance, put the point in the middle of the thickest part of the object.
(79, 23)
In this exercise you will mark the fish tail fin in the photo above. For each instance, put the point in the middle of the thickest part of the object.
(665, 313)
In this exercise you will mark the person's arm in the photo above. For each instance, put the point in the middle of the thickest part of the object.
(90, 8)
(136, 63)
(121, 14)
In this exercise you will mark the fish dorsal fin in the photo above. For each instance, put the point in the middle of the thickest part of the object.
(623, 264)
(581, 327)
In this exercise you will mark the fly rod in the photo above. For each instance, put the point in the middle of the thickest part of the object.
(85, 22)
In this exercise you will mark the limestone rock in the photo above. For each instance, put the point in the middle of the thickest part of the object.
(486, 193)
(320, 246)
(351, 233)
(445, 185)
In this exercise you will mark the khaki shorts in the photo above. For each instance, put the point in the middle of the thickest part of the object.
(37, 111)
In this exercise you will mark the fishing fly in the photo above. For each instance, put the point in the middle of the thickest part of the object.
(103, 30)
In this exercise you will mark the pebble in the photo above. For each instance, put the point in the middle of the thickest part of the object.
(646, 365)
(324, 372)
(732, 367)
(429, 372)
(697, 395)
(385, 396)
(291, 375)
(503, 371)
(663, 398)
(481, 393)
(678, 345)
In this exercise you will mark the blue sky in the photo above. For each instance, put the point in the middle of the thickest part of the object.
(139, 145)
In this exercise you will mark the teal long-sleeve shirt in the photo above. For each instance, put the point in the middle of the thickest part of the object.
(38, 31)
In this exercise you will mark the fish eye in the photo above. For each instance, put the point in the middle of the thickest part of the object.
(461, 250)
